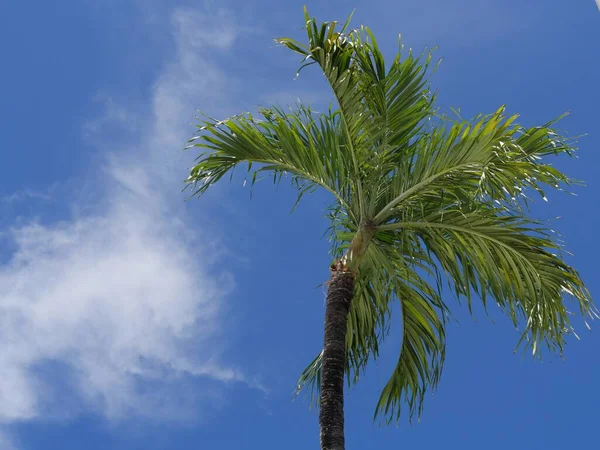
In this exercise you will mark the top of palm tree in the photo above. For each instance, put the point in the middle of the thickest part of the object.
(417, 198)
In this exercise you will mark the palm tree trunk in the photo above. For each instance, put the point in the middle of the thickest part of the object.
(331, 416)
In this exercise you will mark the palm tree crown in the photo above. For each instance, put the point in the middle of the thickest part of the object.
(416, 198)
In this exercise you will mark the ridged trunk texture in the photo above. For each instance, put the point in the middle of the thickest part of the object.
(331, 416)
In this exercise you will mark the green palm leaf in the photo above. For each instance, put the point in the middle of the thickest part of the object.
(491, 158)
(485, 251)
(308, 147)
(418, 197)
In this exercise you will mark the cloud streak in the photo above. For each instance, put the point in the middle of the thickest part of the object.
(96, 308)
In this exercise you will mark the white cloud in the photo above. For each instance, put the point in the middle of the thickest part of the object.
(123, 295)
(26, 194)
(114, 297)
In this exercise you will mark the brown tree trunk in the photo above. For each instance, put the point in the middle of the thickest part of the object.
(331, 416)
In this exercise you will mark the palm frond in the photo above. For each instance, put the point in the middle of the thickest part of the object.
(367, 320)
(490, 158)
(422, 351)
(380, 110)
(305, 145)
(333, 51)
(423, 314)
(389, 273)
(488, 252)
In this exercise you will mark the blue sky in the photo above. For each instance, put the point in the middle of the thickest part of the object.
(133, 320)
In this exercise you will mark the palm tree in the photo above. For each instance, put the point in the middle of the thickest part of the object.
(416, 198)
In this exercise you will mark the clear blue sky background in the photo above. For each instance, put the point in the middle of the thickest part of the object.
(132, 320)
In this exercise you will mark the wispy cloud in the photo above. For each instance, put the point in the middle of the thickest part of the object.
(124, 295)
(26, 194)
